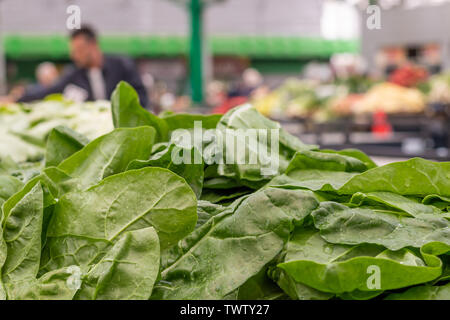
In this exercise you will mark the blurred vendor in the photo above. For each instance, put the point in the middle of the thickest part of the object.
(46, 74)
(251, 80)
(94, 75)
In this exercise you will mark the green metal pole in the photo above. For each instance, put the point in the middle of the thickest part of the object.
(196, 51)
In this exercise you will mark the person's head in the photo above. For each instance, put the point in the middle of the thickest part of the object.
(252, 78)
(46, 74)
(84, 49)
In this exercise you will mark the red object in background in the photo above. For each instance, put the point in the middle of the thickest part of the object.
(230, 104)
(408, 76)
(381, 128)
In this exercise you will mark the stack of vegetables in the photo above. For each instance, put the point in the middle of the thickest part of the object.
(408, 75)
(294, 98)
(439, 89)
(24, 128)
(390, 98)
(118, 218)
(322, 102)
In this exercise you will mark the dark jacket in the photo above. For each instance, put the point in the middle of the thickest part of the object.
(115, 69)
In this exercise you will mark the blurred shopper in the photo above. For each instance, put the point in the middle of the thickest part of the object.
(46, 74)
(94, 75)
(251, 80)
(241, 91)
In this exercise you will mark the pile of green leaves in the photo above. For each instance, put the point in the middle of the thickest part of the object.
(24, 128)
(117, 218)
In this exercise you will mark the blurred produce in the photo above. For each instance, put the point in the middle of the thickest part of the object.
(345, 105)
(439, 89)
(408, 75)
(391, 98)
(295, 98)
(24, 128)
(356, 83)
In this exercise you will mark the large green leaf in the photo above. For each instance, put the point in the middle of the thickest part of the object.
(412, 177)
(187, 121)
(354, 153)
(22, 234)
(247, 117)
(22, 227)
(62, 142)
(337, 268)
(270, 158)
(416, 177)
(54, 285)
(340, 224)
(179, 160)
(313, 179)
(233, 246)
(260, 287)
(296, 290)
(127, 271)
(127, 112)
(108, 155)
(404, 205)
(220, 196)
(325, 161)
(86, 223)
(441, 202)
(8, 186)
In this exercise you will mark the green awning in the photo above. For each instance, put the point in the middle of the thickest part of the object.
(56, 46)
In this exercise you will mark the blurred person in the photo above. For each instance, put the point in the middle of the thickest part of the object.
(94, 75)
(46, 74)
(215, 93)
(251, 79)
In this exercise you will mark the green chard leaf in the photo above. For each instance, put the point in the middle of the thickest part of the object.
(186, 162)
(269, 160)
(354, 153)
(296, 290)
(8, 187)
(233, 246)
(62, 142)
(260, 287)
(337, 268)
(108, 155)
(54, 285)
(22, 234)
(416, 176)
(307, 159)
(187, 121)
(127, 271)
(220, 196)
(22, 228)
(340, 224)
(86, 223)
(440, 202)
(402, 204)
(127, 112)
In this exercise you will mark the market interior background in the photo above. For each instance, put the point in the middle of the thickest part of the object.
(313, 65)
